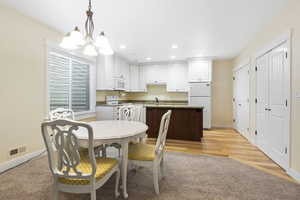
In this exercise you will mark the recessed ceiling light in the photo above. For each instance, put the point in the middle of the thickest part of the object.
(173, 57)
(200, 55)
(148, 58)
(122, 46)
(174, 46)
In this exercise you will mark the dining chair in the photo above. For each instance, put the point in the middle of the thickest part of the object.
(128, 113)
(76, 171)
(61, 113)
(145, 155)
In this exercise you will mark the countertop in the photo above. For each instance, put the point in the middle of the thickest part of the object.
(172, 106)
(152, 104)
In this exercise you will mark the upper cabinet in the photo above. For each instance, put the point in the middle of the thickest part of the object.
(200, 70)
(155, 74)
(136, 81)
(112, 71)
(177, 77)
(105, 73)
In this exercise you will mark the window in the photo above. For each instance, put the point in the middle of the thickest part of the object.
(68, 82)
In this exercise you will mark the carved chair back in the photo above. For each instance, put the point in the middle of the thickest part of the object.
(162, 135)
(63, 150)
(127, 113)
(61, 113)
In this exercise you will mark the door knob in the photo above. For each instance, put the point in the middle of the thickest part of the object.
(240, 104)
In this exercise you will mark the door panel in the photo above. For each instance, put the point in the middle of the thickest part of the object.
(262, 97)
(277, 104)
(241, 87)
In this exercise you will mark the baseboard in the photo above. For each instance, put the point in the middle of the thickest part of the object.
(17, 161)
(294, 174)
(221, 126)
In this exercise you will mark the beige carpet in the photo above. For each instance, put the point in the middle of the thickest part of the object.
(187, 177)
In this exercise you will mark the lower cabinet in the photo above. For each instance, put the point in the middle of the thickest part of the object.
(185, 123)
(106, 112)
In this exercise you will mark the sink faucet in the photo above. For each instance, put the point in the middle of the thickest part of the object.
(156, 100)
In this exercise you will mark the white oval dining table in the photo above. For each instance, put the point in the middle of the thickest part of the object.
(114, 131)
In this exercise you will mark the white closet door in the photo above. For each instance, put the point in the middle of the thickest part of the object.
(262, 98)
(241, 87)
(277, 104)
(272, 114)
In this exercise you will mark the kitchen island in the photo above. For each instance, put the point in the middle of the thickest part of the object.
(186, 121)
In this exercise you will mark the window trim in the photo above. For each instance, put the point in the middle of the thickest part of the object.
(50, 47)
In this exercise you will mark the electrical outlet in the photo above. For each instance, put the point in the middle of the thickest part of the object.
(22, 149)
(13, 152)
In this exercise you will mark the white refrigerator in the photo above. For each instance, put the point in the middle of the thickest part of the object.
(200, 95)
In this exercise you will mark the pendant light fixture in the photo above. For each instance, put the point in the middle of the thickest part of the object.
(91, 47)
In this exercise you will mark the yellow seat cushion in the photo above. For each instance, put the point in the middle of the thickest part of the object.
(104, 165)
(140, 151)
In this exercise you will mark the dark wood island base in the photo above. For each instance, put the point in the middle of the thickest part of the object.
(186, 122)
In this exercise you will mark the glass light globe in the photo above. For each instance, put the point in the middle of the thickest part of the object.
(67, 43)
(106, 51)
(77, 37)
(90, 50)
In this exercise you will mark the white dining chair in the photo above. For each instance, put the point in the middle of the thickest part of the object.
(128, 113)
(61, 113)
(145, 155)
(76, 171)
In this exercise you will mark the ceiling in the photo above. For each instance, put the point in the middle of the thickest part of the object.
(148, 28)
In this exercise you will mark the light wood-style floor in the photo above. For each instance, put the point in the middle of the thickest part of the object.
(228, 143)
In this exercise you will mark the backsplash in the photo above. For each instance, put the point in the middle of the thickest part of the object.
(159, 91)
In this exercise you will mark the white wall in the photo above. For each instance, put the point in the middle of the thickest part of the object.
(22, 80)
(222, 92)
(288, 19)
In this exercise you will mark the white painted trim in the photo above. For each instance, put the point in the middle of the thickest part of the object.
(50, 46)
(242, 64)
(286, 37)
(19, 160)
(222, 126)
(294, 174)
(246, 63)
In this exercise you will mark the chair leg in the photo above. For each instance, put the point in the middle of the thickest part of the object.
(55, 192)
(93, 195)
(162, 168)
(117, 194)
(119, 149)
(104, 151)
(155, 178)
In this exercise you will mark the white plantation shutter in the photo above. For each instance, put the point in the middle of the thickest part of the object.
(80, 87)
(59, 81)
(68, 82)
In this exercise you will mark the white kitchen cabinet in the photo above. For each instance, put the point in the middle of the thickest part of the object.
(177, 77)
(126, 75)
(200, 71)
(122, 71)
(136, 85)
(106, 112)
(155, 74)
(105, 73)
(142, 78)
